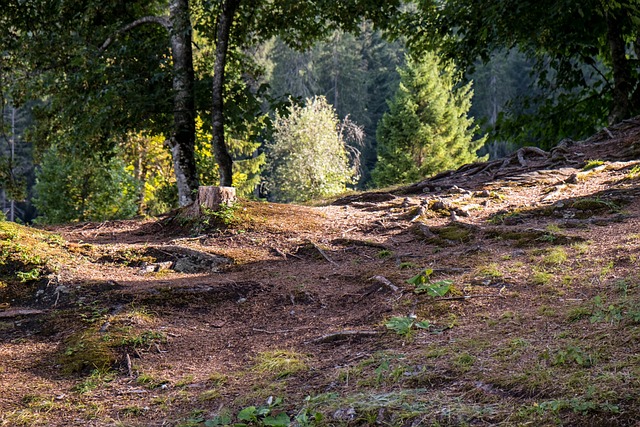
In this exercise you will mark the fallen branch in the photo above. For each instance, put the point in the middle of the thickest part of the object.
(319, 249)
(189, 239)
(386, 282)
(16, 312)
(466, 297)
(129, 367)
(343, 335)
(285, 254)
(450, 270)
(281, 331)
(357, 242)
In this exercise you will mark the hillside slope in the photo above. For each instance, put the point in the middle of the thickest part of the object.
(504, 293)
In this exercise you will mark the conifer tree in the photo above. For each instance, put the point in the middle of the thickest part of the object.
(427, 129)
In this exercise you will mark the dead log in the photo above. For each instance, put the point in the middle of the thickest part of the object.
(211, 198)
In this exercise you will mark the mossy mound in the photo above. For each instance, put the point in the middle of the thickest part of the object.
(27, 257)
(531, 236)
(85, 351)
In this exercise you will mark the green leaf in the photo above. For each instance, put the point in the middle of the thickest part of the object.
(248, 414)
(262, 411)
(218, 420)
(280, 420)
(400, 325)
(384, 366)
(436, 289)
(425, 324)
(421, 278)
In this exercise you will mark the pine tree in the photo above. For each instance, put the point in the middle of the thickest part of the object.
(427, 129)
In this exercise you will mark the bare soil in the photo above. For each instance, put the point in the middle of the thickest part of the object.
(163, 322)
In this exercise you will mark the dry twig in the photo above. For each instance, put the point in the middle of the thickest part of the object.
(319, 249)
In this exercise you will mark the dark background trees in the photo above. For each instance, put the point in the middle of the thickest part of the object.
(585, 56)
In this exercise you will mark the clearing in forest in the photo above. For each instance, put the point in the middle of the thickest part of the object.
(504, 293)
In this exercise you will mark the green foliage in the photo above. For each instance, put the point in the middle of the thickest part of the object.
(578, 405)
(265, 415)
(97, 378)
(280, 363)
(87, 189)
(357, 73)
(592, 164)
(626, 308)
(633, 173)
(404, 325)
(27, 276)
(423, 284)
(400, 325)
(84, 352)
(573, 354)
(384, 253)
(149, 163)
(247, 166)
(582, 74)
(427, 129)
(225, 215)
(145, 339)
(556, 256)
(16, 155)
(307, 158)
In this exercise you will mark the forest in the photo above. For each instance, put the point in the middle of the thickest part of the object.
(118, 109)
(427, 213)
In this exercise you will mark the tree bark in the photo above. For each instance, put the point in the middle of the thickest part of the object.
(182, 140)
(622, 83)
(225, 163)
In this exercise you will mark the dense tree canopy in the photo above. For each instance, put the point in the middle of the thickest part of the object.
(98, 78)
(586, 52)
(113, 63)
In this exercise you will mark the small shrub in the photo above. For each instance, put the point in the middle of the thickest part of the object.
(225, 215)
(404, 325)
(308, 157)
(423, 284)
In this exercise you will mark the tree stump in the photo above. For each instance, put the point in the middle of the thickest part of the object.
(211, 198)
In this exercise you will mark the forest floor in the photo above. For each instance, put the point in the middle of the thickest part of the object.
(504, 293)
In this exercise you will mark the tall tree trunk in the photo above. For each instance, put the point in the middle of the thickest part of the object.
(622, 84)
(182, 141)
(183, 137)
(225, 163)
(635, 99)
